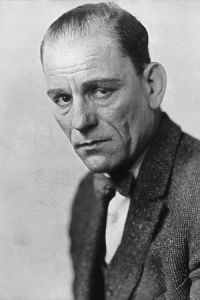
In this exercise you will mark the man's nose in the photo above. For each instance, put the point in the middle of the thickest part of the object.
(83, 115)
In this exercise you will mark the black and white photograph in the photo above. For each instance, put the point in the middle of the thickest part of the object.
(100, 150)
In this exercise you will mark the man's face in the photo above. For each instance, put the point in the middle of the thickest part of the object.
(101, 104)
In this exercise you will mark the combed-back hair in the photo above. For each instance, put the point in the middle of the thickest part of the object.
(130, 34)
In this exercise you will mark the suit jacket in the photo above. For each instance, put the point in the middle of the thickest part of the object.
(159, 255)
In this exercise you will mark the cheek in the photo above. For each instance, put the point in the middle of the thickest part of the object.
(122, 120)
(118, 127)
(65, 124)
(129, 123)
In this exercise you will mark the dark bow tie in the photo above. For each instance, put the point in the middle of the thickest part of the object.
(123, 184)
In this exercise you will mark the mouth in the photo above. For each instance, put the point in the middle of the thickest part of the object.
(91, 144)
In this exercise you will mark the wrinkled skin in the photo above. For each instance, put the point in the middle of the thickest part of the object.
(101, 104)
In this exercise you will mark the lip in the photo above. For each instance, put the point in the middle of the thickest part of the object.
(91, 144)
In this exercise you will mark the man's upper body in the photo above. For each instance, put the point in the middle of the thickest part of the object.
(107, 96)
(159, 255)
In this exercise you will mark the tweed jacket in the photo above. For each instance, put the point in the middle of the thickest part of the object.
(159, 255)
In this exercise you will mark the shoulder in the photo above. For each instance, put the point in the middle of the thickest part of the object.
(184, 188)
(80, 214)
(187, 162)
(86, 184)
(83, 194)
(189, 147)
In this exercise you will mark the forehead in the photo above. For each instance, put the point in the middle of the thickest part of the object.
(95, 52)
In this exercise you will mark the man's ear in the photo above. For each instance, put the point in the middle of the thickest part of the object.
(155, 78)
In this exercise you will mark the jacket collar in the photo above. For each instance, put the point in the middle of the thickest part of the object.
(158, 163)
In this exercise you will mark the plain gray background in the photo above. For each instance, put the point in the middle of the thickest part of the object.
(39, 171)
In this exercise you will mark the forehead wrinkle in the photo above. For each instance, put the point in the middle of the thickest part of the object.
(91, 58)
(88, 65)
(63, 71)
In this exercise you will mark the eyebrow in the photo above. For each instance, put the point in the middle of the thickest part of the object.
(57, 91)
(98, 82)
(87, 85)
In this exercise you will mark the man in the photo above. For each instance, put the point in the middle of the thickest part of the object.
(135, 220)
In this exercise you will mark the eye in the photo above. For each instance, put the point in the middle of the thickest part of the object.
(102, 93)
(63, 100)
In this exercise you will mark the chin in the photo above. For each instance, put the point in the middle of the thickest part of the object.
(97, 168)
(98, 165)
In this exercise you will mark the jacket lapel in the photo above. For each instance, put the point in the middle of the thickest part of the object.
(89, 280)
(145, 211)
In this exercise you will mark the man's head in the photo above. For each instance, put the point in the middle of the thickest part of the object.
(106, 92)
